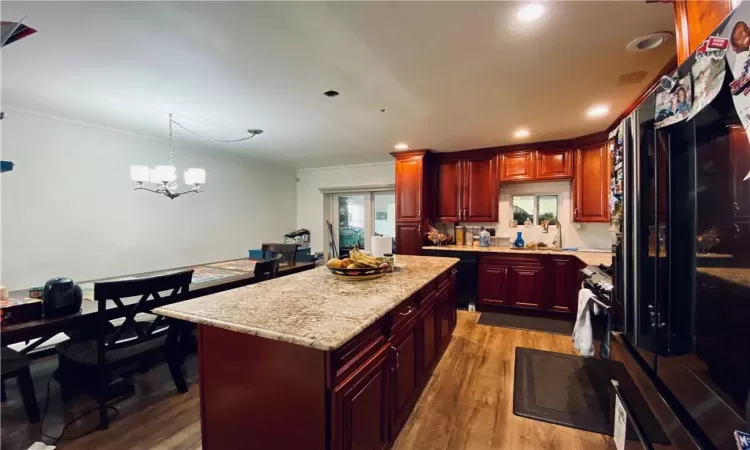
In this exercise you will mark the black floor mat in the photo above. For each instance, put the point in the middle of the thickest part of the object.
(554, 326)
(576, 392)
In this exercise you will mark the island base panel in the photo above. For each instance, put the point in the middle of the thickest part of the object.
(260, 393)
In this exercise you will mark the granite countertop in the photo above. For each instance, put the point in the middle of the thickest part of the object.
(736, 275)
(312, 308)
(588, 258)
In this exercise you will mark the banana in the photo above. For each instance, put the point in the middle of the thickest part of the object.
(363, 259)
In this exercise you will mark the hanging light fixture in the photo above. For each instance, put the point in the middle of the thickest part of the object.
(164, 177)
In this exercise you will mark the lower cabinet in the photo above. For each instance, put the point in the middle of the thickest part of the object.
(527, 286)
(494, 284)
(360, 407)
(374, 398)
(409, 238)
(538, 282)
(405, 373)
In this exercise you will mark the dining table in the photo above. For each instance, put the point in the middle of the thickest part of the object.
(208, 278)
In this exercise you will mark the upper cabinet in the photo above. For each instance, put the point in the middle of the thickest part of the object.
(450, 191)
(517, 166)
(694, 22)
(554, 165)
(591, 184)
(412, 186)
(468, 190)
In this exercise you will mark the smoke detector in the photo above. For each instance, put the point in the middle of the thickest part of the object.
(648, 42)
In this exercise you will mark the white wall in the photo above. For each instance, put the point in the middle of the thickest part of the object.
(68, 209)
(310, 199)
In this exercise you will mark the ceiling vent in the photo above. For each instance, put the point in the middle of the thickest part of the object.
(648, 42)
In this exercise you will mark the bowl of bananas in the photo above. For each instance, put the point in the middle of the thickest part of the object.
(358, 266)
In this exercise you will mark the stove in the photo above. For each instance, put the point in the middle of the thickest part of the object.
(599, 280)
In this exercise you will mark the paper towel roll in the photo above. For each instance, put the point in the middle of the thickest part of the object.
(381, 245)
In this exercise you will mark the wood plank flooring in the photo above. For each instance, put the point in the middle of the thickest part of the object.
(468, 404)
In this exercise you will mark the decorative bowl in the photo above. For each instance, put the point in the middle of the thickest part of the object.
(359, 274)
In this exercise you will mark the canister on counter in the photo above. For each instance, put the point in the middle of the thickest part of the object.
(469, 236)
(460, 235)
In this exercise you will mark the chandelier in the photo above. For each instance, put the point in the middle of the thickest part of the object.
(164, 177)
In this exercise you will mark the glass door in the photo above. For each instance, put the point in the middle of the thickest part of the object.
(384, 216)
(351, 224)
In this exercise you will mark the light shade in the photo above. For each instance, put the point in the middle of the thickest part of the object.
(195, 176)
(140, 173)
(163, 174)
(530, 13)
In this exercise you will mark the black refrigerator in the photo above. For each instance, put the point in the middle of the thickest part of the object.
(680, 205)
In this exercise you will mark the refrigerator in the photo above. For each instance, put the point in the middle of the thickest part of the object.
(680, 208)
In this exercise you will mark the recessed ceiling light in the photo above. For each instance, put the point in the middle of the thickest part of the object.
(521, 133)
(598, 111)
(531, 12)
(401, 146)
(331, 93)
(648, 42)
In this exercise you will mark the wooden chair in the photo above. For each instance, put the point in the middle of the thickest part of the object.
(268, 269)
(132, 346)
(16, 365)
(287, 251)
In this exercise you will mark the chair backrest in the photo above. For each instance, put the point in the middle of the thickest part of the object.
(266, 270)
(288, 252)
(148, 290)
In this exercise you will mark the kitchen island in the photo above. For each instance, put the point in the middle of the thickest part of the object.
(311, 361)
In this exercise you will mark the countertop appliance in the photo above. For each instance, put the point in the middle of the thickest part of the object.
(61, 297)
(684, 305)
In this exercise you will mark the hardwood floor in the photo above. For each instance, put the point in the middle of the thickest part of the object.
(468, 404)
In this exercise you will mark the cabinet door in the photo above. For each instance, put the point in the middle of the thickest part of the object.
(695, 20)
(562, 285)
(517, 166)
(409, 185)
(494, 284)
(480, 190)
(591, 185)
(429, 336)
(453, 298)
(528, 286)
(359, 414)
(404, 367)
(409, 238)
(554, 164)
(449, 191)
(445, 312)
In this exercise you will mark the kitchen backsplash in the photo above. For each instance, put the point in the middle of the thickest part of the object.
(581, 235)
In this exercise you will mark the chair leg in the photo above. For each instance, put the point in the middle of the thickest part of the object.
(174, 357)
(3, 396)
(26, 386)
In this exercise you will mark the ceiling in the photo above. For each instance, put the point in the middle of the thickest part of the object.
(452, 75)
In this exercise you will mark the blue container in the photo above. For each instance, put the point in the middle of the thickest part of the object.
(256, 254)
(303, 254)
(519, 243)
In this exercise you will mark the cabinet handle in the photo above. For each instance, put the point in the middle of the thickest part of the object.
(396, 350)
(419, 213)
(454, 271)
(419, 229)
(575, 212)
(408, 311)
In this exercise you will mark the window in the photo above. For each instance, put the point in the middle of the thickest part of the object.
(539, 209)
(357, 216)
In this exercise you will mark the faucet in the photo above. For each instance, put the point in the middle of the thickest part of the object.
(558, 237)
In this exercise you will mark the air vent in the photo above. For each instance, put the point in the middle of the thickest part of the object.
(631, 78)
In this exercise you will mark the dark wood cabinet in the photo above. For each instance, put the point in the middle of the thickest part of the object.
(429, 323)
(360, 412)
(695, 20)
(409, 238)
(563, 284)
(527, 284)
(445, 308)
(591, 184)
(739, 156)
(480, 192)
(517, 166)
(450, 191)
(468, 190)
(405, 374)
(554, 165)
(494, 284)
(409, 188)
